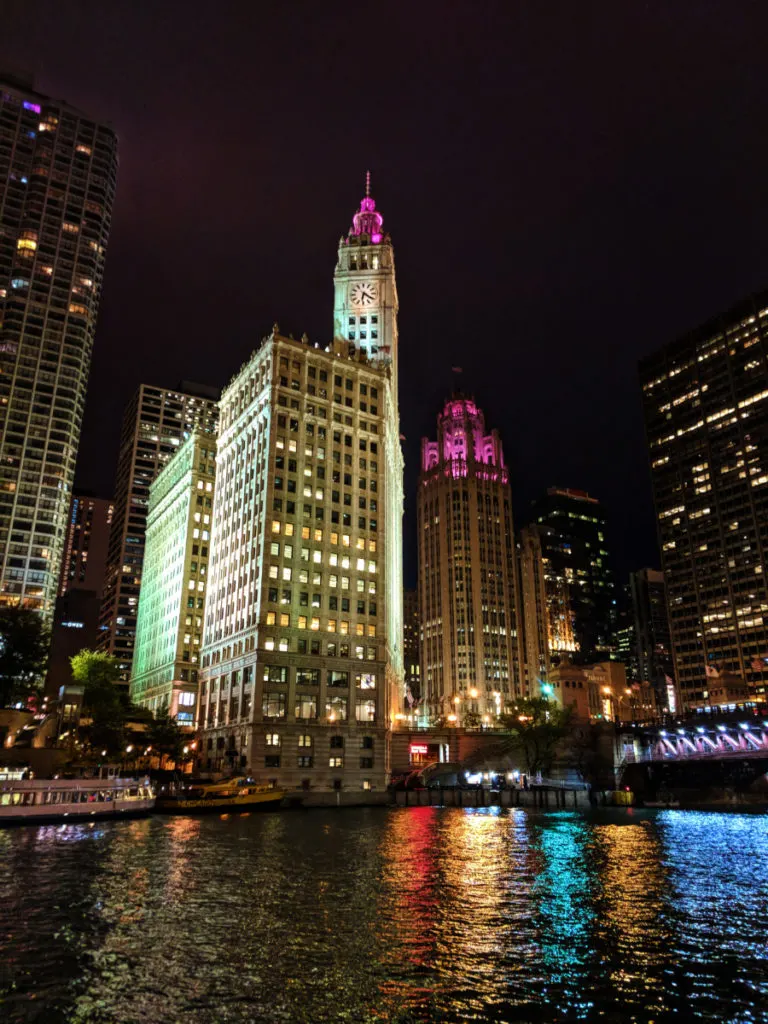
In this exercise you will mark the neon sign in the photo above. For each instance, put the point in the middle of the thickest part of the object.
(419, 748)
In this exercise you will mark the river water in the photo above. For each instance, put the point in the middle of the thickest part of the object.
(397, 916)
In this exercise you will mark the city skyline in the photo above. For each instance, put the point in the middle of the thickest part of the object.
(581, 219)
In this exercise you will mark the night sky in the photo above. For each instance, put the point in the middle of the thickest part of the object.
(568, 186)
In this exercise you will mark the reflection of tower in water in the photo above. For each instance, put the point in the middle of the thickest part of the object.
(634, 922)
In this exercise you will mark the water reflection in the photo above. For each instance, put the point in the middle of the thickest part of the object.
(403, 916)
(563, 888)
(635, 920)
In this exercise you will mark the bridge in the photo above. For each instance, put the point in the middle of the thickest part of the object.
(714, 742)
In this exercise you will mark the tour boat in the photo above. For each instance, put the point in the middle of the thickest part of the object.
(237, 794)
(28, 801)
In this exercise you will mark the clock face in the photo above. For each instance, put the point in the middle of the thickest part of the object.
(363, 294)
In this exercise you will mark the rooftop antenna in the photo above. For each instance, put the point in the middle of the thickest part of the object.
(367, 184)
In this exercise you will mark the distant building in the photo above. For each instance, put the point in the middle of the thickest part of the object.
(468, 600)
(411, 649)
(653, 643)
(75, 626)
(58, 169)
(76, 613)
(85, 549)
(602, 692)
(625, 632)
(169, 630)
(579, 580)
(155, 424)
(705, 399)
(302, 674)
(535, 624)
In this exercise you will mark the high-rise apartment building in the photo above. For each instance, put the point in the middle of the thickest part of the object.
(653, 645)
(169, 630)
(468, 599)
(155, 424)
(534, 616)
(85, 549)
(58, 169)
(411, 649)
(303, 644)
(579, 579)
(705, 400)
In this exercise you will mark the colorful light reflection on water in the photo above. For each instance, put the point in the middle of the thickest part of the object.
(403, 916)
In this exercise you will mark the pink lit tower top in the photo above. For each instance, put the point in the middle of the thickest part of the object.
(463, 448)
(365, 293)
(468, 590)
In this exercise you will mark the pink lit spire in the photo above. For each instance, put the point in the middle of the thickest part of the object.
(367, 220)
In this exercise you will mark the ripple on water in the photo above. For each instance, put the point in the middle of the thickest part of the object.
(401, 916)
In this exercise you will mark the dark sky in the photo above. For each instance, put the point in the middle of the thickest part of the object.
(568, 187)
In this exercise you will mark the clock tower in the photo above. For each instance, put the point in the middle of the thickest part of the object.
(365, 301)
(365, 315)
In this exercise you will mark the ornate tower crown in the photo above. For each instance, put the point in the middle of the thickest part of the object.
(367, 221)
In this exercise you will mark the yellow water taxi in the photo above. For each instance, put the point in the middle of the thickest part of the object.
(238, 794)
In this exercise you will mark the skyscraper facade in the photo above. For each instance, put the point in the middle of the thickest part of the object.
(534, 617)
(169, 629)
(85, 549)
(58, 169)
(83, 571)
(705, 399)
(303, 643)
(412, 649)
(579, 579)
(155, 424)
(653, 645)
(468, 598)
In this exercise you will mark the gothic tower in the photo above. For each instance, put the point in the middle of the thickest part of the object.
(365, 315)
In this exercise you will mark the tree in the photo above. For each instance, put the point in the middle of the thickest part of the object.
(103, 701)
(591, 754)
(165, 735)
(536, 729)
(24, 643)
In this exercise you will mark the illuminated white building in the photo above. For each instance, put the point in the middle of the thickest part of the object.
(155, 424)
(172, 599)
(302, 669)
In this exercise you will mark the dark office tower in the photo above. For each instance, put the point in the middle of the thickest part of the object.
(57, 184)
(155, 423)
(470, 656)
(625, 632)
(572, 531)
(76, 613)
(411, 648)
(705, 399)
(85, 548)
(653, 646)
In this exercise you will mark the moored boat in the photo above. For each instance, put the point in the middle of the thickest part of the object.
(238, 794)
(29, 801)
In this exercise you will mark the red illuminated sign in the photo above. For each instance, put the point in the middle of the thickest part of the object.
(419, 748)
